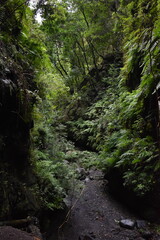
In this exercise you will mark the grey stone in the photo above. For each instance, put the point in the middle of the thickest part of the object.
(81, 173)
(87, 179)
(127, 223)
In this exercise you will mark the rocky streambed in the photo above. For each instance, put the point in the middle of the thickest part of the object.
(95, 215)
(92, 214)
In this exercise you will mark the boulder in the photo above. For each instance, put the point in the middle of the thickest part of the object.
(10, 233)
(127, 223)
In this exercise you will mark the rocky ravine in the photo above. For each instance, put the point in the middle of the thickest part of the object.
(95, 215)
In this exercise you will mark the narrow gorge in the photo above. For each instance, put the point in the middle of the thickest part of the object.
(79, 119)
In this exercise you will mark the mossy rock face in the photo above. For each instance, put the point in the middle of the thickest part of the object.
(14, 129)
(15, 107)
(17, 198)
(17, 179)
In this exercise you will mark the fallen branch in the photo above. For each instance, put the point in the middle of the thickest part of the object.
(16, 222)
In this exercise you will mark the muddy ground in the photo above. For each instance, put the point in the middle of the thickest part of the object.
(92, 214)
(95, 215)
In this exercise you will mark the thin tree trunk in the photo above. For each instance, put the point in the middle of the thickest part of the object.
(59, 70)
(84, 53)
(59, 61)
(84, 15)
(93, 54)
(81, 65)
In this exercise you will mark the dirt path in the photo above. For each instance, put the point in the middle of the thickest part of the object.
(96, 216)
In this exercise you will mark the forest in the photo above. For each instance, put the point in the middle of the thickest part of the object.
(79, 96)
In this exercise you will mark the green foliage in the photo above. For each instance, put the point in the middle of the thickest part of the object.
(84, 159)
(131, 146)
(120, 123)
(12, 13)
(49, 144)
(135, 157)
(96, 121)
(55, 179)
(66, 81)
(75, 41)
(25, 64)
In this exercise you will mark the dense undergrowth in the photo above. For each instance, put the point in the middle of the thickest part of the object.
(24, 67)
(88, 74)
(133, 146)
(122, 121)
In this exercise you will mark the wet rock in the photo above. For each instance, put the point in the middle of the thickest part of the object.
(10, 233)
(81, 173)
(127, 223)
(68, 202)
(141, 224)
(99, 177)
(87, 179)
